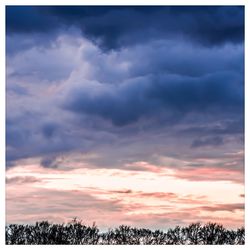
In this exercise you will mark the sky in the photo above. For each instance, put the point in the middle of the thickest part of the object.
(125, 115)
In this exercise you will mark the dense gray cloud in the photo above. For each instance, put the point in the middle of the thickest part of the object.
(172, 95)
(114, 27)
(48, 162)
(110, 80)
(213, 141)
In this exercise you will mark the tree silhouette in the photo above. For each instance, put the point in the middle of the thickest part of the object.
(76, 233)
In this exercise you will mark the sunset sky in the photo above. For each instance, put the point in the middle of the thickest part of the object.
(125, 115)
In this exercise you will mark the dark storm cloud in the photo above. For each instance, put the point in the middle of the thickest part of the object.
(114, 27)
(66, 94)
(44, 135)
(49, 162)
(225, 127)
(170, 95)
(30, 135)
(28, 19)
(49, 129)
(184, 58)
(210, 141)
(14, 136)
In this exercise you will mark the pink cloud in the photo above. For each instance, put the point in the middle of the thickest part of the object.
(21, 180)
(143, 166)
(26, 205)
(223, 207)
(209, 174)
(132, 204)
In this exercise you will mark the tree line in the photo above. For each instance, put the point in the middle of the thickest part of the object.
(76, 233)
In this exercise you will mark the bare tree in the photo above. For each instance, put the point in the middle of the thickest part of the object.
(76, 233)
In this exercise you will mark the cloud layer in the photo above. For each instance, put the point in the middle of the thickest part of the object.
(115, 27)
